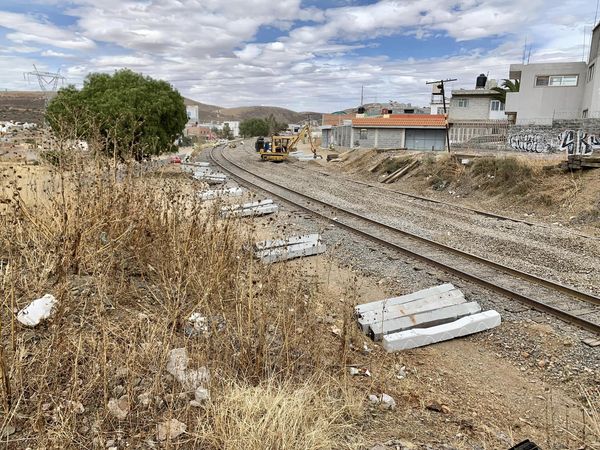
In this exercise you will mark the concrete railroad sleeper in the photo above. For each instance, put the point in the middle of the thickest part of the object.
(494, 276)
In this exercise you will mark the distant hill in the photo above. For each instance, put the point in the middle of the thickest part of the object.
(28, 106)
(22, 106)
(212, 113)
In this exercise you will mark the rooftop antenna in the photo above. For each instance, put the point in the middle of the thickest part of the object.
(48, 81)
(584, 36)
(529, 54)
(362, 94)
(524, 51)
(596, 15)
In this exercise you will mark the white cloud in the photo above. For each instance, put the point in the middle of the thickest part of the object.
(28, 29)
(207, 48)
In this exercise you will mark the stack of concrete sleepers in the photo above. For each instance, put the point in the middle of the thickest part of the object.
(259, 208)
(218, 193)
(425, 317)
(290, 248)
(206, 174)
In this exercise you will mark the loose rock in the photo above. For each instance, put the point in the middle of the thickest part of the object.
(170, 429)
(119, 408)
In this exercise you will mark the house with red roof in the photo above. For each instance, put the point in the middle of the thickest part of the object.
(390, 131)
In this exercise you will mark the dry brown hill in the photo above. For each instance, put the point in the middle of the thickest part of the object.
(22, 106)
(214, 113)
(28, 106)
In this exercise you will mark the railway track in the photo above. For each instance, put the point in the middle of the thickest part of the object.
(564, 302)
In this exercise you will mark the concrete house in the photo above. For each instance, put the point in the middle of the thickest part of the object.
(395, 131)
(556, 91)
(476, 115)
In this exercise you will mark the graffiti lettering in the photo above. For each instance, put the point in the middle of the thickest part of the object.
(578, 142)
(572, 142)
(529, 142)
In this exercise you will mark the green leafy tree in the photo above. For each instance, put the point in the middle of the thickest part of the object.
(135, 115)
(274, 126)
(254, 127)
(506, 86)
(226, 133)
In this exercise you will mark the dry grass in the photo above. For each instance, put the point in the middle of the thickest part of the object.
(129, 257)
(315, 415)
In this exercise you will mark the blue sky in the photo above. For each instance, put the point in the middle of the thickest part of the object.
(304, 55)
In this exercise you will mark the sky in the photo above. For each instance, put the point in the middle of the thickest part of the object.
(306, 55)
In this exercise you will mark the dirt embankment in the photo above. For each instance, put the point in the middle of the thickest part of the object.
(519, 186)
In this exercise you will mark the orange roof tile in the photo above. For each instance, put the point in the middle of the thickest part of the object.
(403, 121)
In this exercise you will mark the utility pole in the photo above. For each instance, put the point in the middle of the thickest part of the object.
(440, 86)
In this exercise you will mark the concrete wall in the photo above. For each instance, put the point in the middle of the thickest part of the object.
(478, 108)
(539, 105)
(381, 138)
(591, 97)
(569, 136)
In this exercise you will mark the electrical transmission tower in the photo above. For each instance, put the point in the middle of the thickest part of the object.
(48, 81)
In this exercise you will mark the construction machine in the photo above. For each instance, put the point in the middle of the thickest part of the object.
(281, 145)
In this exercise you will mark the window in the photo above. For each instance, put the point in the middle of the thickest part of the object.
(463, 103)
(496, 105)
(564, 80)
(363, 133)
(556, 80)
(591, 70)
(584, 114)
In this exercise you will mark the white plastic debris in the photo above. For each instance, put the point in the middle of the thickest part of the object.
(38, 310)
(189, 378)
(198, 322)
(356, 371)
(384, 399)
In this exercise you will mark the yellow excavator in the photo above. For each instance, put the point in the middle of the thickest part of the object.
(280, 146)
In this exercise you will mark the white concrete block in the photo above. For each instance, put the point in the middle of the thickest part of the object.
(216, 193)
(372, 306)
(259, 208)
(314, 237)
(423, 320)
(419, 337)
(294, 247)
(430, 303)
(291, 252)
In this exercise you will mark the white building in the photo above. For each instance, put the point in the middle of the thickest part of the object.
(556, 91)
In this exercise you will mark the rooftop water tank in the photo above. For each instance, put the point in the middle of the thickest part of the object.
(481, 82)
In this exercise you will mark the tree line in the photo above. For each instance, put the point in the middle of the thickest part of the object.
(261, 127)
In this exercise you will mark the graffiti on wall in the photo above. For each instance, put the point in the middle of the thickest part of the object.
(572, 142)
(578, 142)
(530, 142)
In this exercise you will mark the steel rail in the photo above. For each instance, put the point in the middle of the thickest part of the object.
(540, 306)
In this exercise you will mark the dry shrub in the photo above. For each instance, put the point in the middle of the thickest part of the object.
(314, 415)
(509, 175)
(392, 164)
(129, 258)
(441, 171)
